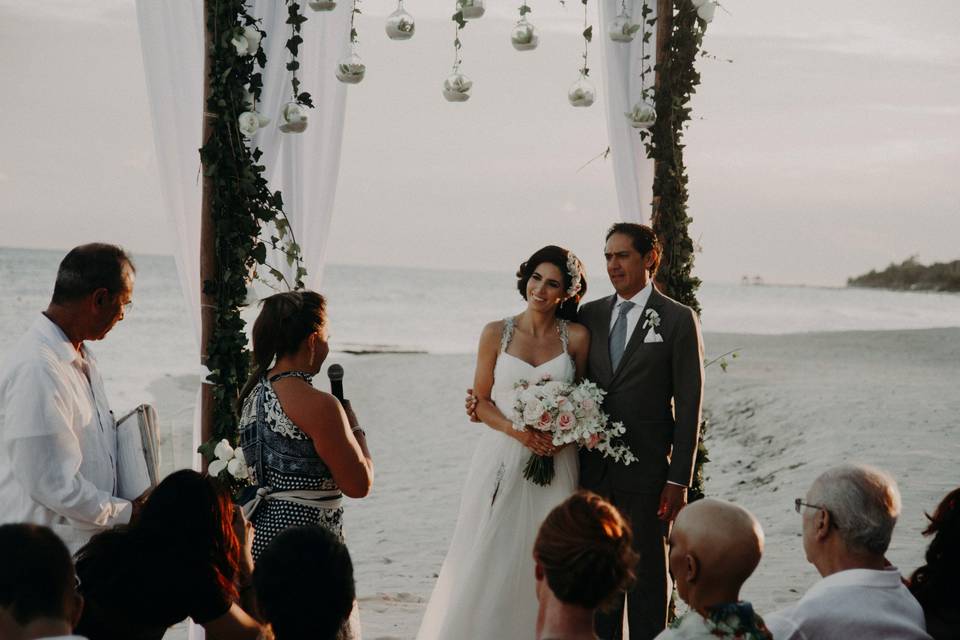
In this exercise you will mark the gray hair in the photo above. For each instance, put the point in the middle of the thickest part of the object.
(864, 503)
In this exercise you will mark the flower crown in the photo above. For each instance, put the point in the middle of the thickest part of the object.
(576, 275)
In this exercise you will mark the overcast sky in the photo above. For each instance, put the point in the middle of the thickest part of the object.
(829, 146)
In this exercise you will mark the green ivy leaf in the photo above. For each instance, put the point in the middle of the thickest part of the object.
(588, 32)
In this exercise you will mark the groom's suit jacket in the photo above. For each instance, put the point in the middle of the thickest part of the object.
(656, 391)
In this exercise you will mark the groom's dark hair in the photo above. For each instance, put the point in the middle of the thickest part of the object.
(644, 239)
(37, 577)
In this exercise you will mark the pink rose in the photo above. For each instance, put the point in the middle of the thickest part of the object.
(546, 377)
(594, 441)
(588, 404)
(545, 421)
(565, 421)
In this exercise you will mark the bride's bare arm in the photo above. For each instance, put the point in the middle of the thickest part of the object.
(486, 410)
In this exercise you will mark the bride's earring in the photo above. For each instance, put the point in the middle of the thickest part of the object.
(313, 353)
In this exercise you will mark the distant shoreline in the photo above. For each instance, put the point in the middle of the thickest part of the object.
(910, 275)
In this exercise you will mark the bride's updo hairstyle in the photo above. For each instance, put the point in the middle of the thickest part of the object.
(569, 265)
(584, 547)
(285, 321)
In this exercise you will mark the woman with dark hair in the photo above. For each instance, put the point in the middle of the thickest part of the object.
(584, 560)
(303, 447)
(936, 584)
(485, 589)
(182, 557)
(304, 585)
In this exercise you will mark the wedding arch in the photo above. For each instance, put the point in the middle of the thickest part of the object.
(269, 121)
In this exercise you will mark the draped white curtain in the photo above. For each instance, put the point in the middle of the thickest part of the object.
(304, 167)
(632, 171)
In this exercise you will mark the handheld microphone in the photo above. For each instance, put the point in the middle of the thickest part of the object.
(335, 373)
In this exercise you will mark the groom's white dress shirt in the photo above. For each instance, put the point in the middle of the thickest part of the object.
(58, 443)
(633, 316)
(857, 603)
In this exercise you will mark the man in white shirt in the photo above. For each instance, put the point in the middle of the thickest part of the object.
(58, 444)
(38, 596)
(848, 519)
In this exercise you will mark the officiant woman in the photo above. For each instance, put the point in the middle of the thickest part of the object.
(304, 447)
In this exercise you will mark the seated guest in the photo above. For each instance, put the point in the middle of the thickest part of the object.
(848, 518)
(302, 446)
(304, 585)
(714, 548)
(583, 562)
(58, 443)
(936, 584)
(38, 598)
(181, 557)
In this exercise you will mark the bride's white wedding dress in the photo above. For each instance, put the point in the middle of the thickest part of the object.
(486, 587)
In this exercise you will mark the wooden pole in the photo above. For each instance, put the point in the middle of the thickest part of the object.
(664, 28)
(208, 252)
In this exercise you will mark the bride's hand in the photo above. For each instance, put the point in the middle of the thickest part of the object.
(538, 442)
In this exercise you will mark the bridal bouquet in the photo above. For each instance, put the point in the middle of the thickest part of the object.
(571, 413)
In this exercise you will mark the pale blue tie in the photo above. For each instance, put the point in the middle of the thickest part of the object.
(618, 335)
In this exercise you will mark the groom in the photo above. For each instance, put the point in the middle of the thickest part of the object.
(646, 353)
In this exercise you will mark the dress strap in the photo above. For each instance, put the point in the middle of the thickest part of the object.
(293, 374)
(507, 335)
(564, 336)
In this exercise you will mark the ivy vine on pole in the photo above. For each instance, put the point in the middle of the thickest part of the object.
(240, 203)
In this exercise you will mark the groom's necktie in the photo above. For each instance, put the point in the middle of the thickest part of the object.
(618, 335)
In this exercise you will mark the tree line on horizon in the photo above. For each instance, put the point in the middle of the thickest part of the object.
(911, 275)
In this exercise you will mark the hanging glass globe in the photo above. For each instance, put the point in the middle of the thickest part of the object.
(322, 5)
(293, 118)
(643, 115)
(470, 8)
(621, 28)
(351, 69)
(400, 24)
(706, 10)
(582, 93)
(524, 36)
(456, 88)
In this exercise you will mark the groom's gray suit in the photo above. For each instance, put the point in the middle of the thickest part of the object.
(656, 391)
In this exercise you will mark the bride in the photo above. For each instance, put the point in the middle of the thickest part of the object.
(486, 588)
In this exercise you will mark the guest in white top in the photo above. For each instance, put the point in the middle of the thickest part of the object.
(848, 518)
(58, 442)
(38, 597)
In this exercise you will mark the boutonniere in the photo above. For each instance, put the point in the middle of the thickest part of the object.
(651, 320)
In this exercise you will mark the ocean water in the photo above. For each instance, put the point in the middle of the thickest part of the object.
(390, 308)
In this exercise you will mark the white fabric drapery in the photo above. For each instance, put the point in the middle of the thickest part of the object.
(632, 170)
(304, 167)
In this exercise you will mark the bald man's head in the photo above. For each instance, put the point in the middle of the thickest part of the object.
(714, 547)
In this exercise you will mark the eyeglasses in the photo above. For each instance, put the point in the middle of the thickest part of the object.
(798, 504)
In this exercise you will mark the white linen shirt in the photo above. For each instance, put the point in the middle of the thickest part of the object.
(58, 441)
(856, 603)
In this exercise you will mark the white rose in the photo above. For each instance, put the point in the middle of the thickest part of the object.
(216, 467)
(253, 40)
(533, 411)
(223, 450)
(706, 11)
(238, 455)
(240, 43)
(237, 469)
(249, 122)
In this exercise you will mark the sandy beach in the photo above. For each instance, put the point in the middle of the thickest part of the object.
(787, 408)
